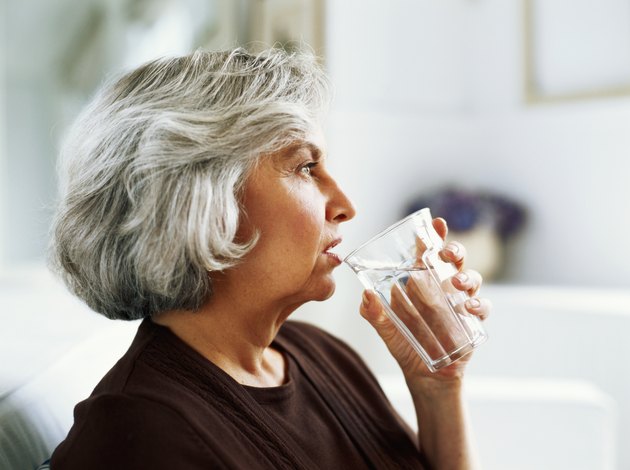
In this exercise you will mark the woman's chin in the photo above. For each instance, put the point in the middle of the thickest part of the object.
(325, 291)
(329, 294)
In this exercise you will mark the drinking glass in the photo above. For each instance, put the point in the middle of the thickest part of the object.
(403, 266)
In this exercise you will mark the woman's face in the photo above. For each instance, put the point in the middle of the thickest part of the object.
(295, 205)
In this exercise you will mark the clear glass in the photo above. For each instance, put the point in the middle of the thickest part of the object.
(403, 266)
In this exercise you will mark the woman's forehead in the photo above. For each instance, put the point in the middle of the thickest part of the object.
(314, 141)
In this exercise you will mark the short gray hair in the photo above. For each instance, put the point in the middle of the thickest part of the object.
(151, 173)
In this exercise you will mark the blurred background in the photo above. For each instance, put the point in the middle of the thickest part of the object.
(470, 95)
(510, 118)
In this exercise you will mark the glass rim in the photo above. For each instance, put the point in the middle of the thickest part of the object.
(385, 231)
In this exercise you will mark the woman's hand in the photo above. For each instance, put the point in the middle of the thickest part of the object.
(443, 435)
(413, 367)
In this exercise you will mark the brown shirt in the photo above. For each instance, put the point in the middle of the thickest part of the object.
(164, 406)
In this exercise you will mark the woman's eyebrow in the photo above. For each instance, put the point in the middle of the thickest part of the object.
(316, 152)
(293, 151)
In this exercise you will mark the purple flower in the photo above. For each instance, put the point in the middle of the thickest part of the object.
(463, 210)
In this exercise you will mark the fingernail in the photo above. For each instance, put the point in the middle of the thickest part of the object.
(473, 303)
(453, 248)
(462, 277)
(366, 300)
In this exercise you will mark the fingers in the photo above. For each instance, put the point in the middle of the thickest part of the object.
(371, 308)
(468, 281)
(373, 311)
(439, 224)
(479, 307)
(454, 252)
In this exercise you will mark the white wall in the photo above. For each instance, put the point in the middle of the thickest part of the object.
(398, 55)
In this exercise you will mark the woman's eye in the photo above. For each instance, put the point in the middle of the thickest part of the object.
(308, 168)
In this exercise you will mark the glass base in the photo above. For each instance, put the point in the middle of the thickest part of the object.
(457, 354)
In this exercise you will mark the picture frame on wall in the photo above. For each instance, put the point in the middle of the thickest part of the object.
(576, 49)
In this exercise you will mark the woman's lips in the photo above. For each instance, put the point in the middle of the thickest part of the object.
(334, 257)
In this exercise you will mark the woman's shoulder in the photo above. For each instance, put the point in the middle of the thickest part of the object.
(117, 430)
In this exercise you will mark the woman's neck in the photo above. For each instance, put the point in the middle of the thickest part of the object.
(236, 340)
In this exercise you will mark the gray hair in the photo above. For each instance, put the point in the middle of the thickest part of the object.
(151, 173)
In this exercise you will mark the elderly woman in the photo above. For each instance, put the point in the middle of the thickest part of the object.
(196, 197)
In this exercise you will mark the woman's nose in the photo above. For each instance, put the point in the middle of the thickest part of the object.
(340, 208)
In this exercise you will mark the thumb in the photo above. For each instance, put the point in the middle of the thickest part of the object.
(372, 310)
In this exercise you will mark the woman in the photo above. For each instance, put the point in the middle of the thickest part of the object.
(196, 197)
